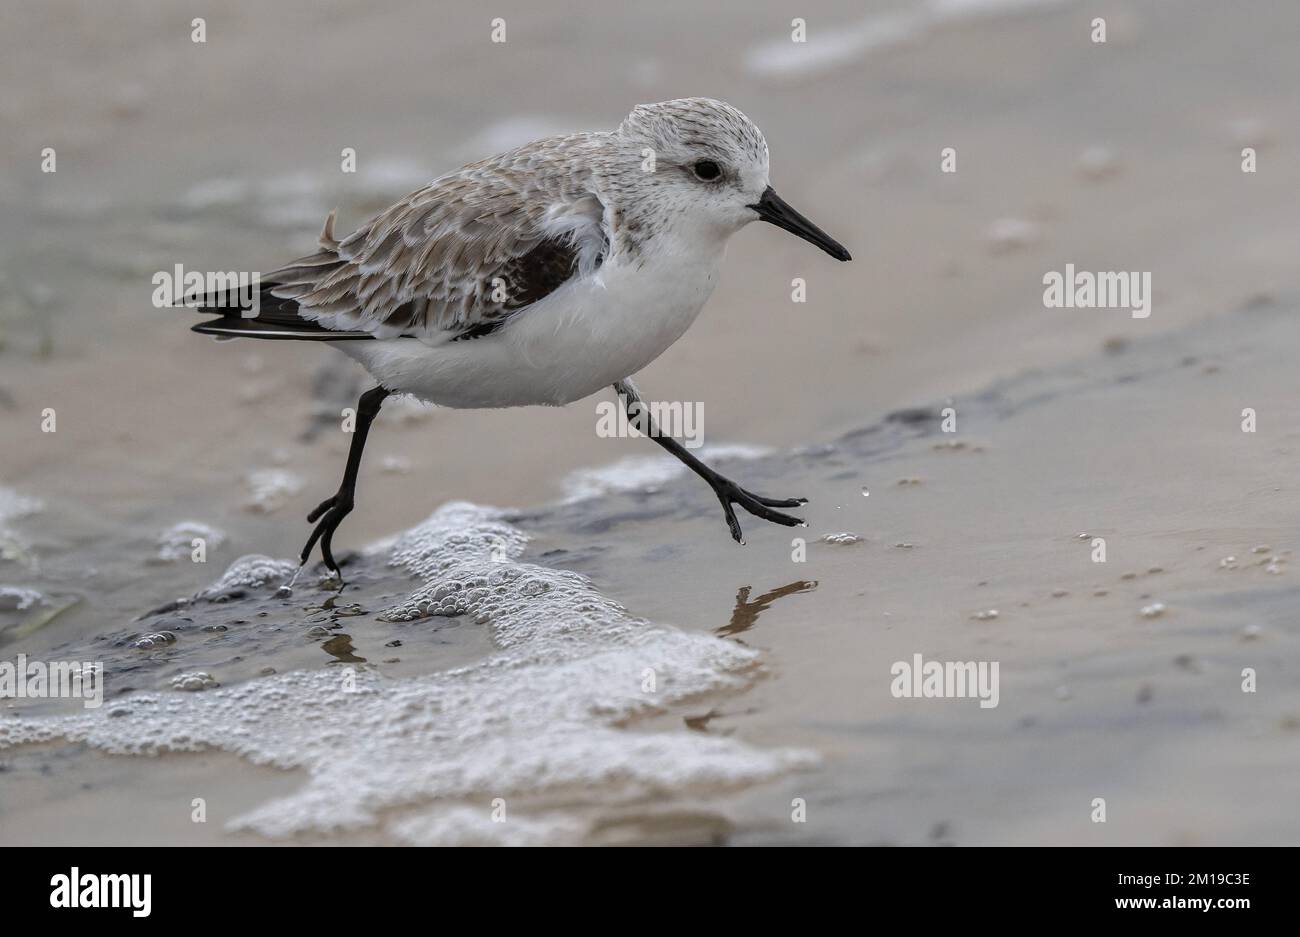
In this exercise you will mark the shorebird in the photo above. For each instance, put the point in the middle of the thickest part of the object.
(535, 277)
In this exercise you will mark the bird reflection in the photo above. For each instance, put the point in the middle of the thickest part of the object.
(746, 612)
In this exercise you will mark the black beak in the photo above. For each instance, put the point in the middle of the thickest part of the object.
(772, 208)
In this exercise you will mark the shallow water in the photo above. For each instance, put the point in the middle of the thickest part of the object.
(771, 662)
(471, 665)
(538, 718)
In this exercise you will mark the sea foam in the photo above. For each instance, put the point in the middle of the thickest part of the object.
(549, 718)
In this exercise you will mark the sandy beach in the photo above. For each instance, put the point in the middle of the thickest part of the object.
(514, 576)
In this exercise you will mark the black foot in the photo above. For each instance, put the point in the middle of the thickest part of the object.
(730, 493)
(330, 512)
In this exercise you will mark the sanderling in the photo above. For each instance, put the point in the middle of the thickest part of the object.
(538, 276)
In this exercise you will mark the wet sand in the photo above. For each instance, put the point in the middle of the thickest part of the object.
(1069, 421)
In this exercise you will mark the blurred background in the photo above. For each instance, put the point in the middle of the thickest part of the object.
(226, 155)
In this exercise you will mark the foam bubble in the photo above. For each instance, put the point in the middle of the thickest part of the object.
(843, 539)
(249, 573)
(547, 718)
(18, 598)
(176, 542)
(467, 826)
(194, 682)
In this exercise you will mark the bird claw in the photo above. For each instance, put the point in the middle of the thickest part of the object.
(330, 513)
(322, 508)
(730, 493)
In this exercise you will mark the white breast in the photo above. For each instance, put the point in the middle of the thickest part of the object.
(583, 337)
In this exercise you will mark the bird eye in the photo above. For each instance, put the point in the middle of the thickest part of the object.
(707, 170)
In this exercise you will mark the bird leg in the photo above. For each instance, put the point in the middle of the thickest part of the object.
(728, 491)
(331, 511)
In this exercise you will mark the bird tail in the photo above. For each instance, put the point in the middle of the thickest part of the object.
(274, 318)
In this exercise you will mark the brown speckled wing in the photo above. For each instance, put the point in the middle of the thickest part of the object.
(460, 254)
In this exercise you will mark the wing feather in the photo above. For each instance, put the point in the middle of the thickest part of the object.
(457, 256)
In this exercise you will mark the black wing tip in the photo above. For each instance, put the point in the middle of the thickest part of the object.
(276, 318)
(227, 327)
